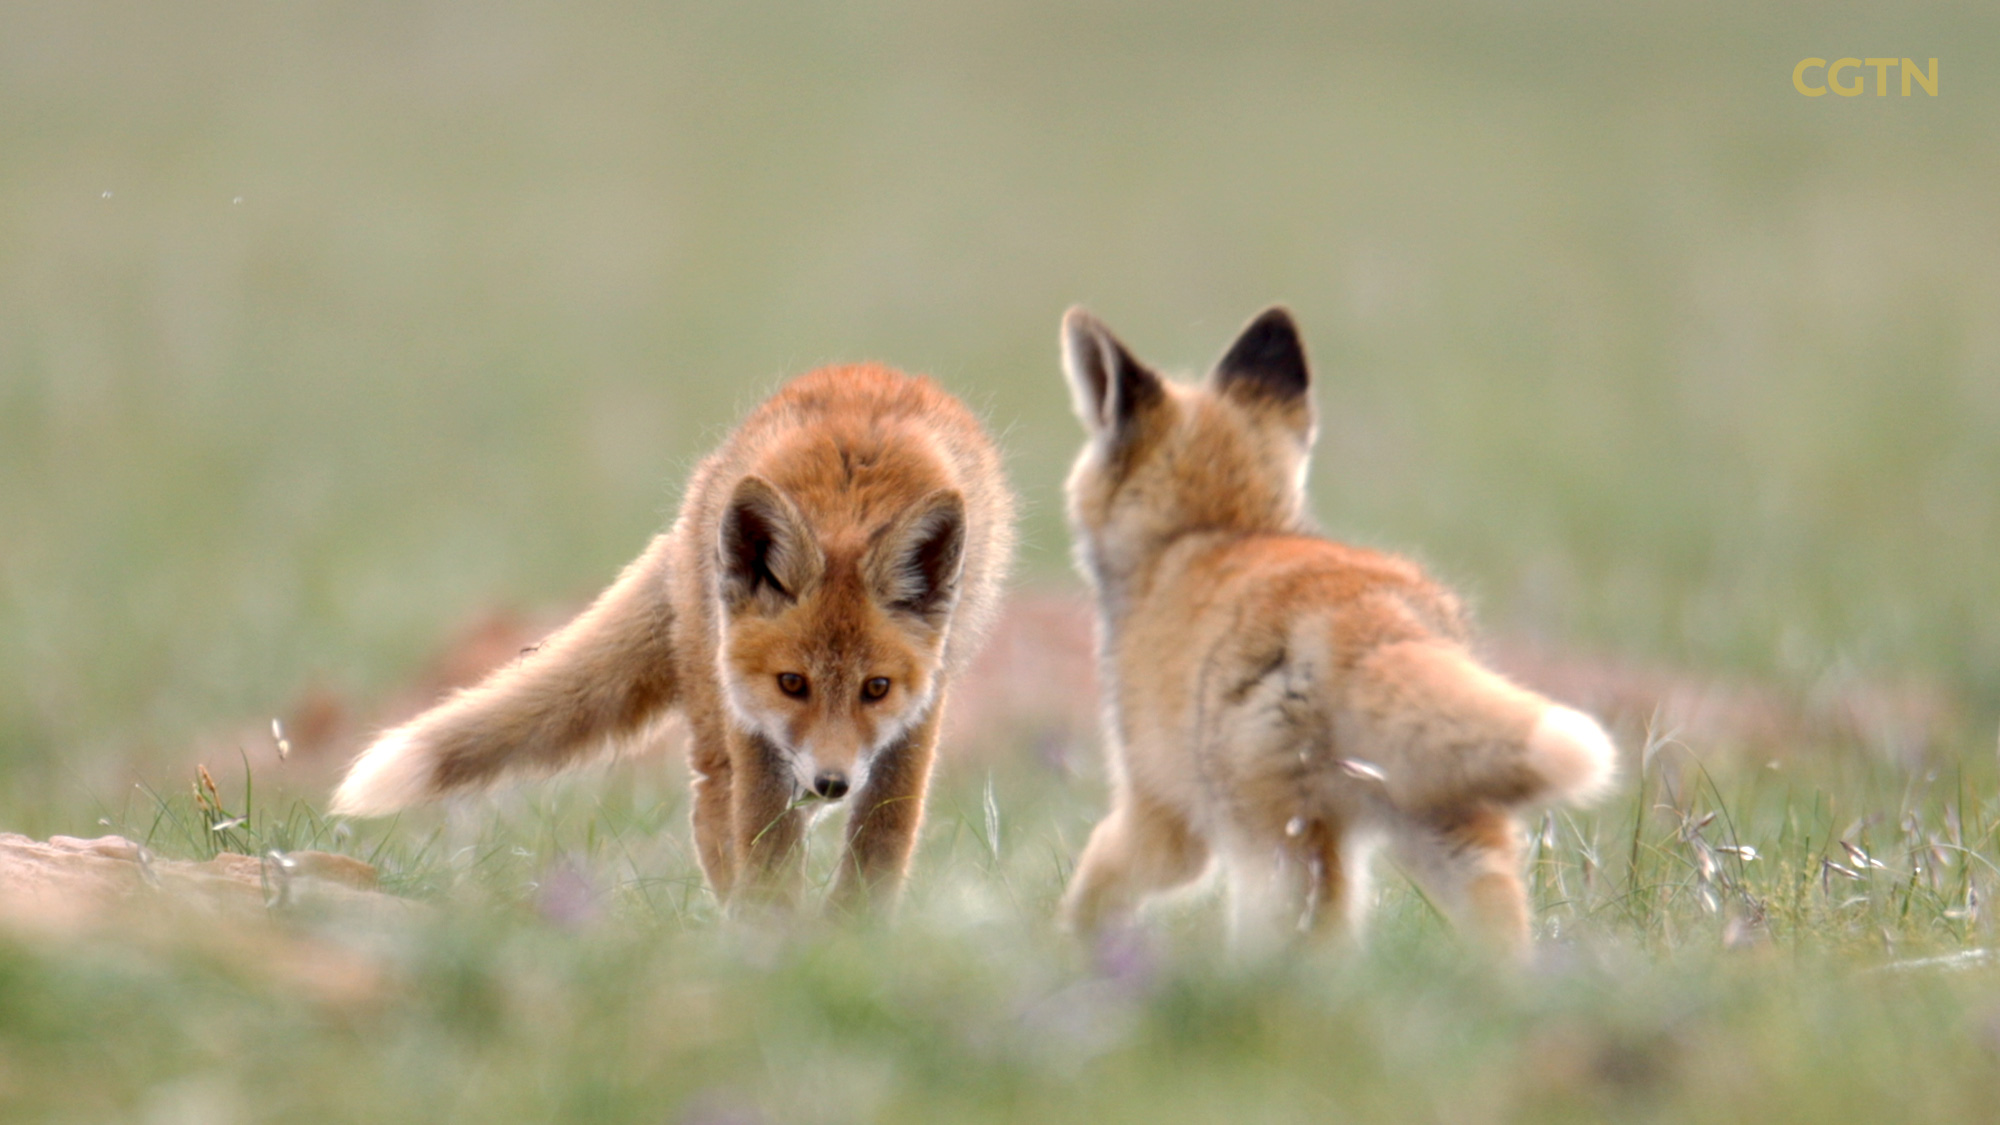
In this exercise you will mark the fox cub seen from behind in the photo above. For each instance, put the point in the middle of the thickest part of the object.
(834, 563)
(1277, 701)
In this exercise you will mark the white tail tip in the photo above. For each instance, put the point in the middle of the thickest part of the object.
(390, 775)
(1572, 751)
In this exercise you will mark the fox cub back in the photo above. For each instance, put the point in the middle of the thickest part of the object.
(834, 563)
(1278, 701)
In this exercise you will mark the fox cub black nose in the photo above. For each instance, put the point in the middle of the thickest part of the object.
(831, 784)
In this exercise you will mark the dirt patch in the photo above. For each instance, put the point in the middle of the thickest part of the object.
(65, 882)
(239, 909)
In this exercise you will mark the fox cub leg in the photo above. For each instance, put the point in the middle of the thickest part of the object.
(766, 828)
(1335, 879)
(1469, 864)
(714, 818)
(1308, 884)
(1142, 847)
(882, 830)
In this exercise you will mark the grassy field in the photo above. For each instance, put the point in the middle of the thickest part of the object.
(327, 328)
(1756, 947)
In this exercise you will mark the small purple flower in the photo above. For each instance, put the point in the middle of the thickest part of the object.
(567, 896)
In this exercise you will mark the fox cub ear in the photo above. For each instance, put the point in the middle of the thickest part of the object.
(1266, 362)
(913, 564)
(767, 551)
(1111, 390)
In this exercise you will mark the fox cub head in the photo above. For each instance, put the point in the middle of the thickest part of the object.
(1228, 452)
(831, 647)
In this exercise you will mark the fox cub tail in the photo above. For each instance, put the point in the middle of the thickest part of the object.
(1453, 731)
(603, 676)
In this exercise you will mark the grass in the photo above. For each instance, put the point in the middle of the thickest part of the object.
(325, 328)
(1742, 944)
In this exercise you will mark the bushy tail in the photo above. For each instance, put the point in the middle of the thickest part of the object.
(1450, 730)
(603, 676)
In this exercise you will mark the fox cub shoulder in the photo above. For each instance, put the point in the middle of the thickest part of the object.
(833, 564)
(1276, 700)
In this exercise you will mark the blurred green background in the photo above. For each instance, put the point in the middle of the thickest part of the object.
(325, 325)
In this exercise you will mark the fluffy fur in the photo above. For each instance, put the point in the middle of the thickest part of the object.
(1276, 700)
(834, 563)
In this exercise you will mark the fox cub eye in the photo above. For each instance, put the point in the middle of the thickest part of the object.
(792, 684)
(875, 689)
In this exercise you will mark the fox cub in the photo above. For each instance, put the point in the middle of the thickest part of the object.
(834, 564)
(1276, 700)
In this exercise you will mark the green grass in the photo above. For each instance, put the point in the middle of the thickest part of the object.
(572, 968)
(324, 328)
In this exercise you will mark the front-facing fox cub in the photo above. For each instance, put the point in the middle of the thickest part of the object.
(833, 564)
(1276, 700)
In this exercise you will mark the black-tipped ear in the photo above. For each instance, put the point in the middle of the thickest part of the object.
(767, 551)
(1111, 390)
(915, 563)
(1267, 359)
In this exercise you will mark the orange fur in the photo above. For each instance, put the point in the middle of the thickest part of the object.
(1275, 699)
(855, 529)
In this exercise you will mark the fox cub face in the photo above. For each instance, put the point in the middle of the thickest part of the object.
(1228, 452)
(832, 645)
